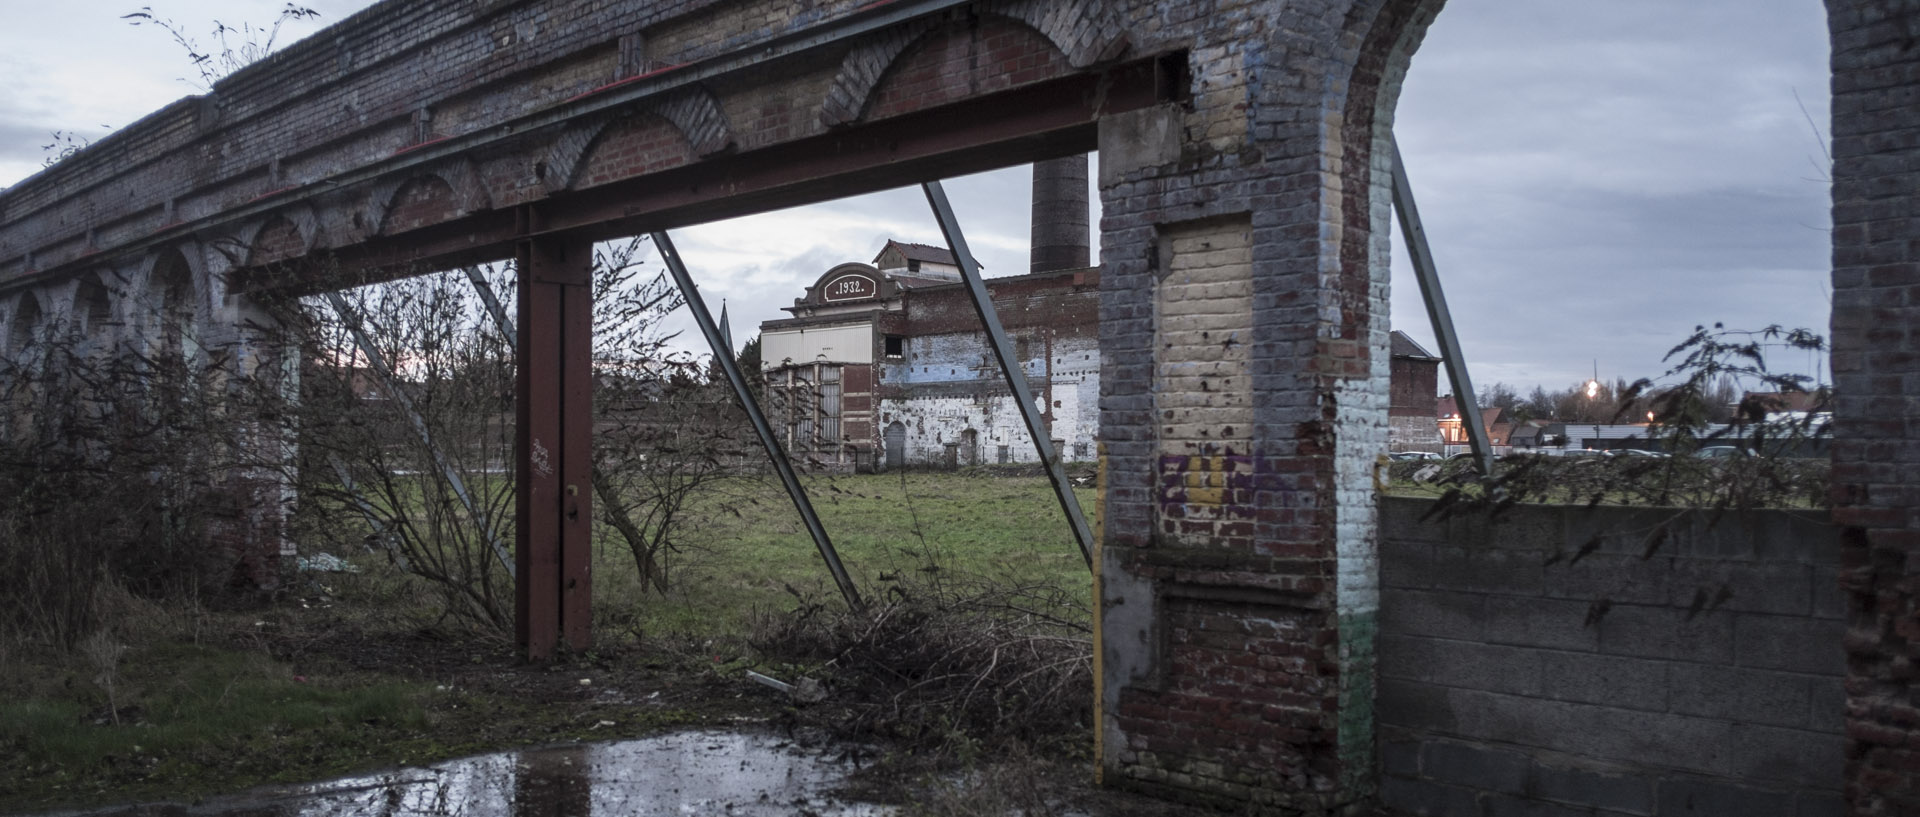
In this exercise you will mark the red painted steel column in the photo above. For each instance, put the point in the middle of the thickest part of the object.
(553, 445)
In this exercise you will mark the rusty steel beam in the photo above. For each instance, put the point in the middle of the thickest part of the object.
(1040, 121)
(758, 57)
(553, 421)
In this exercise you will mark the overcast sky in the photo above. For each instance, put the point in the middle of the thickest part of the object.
(1596, 178)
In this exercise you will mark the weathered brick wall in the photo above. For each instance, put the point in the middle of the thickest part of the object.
(1876, 372)
(1237, 584)
(1518, 677)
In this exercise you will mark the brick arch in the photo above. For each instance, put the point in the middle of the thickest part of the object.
(26, 313)
(278, 238)
(92, 312)
(409, 205)
(172, 300)
(629, 146)
(925, 65)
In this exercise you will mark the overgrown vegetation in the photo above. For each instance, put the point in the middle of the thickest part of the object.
(1767, 446)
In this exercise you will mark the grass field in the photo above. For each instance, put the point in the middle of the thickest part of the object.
(742, 552)
(349, 672)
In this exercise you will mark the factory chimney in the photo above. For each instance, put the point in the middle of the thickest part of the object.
(1060, 214)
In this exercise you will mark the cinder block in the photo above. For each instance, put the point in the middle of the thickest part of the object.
(1739, 694)
(1690, 798)
(1625, 793)
(1539, 622)
(1460, 664)
(1663, 632)
(1796, 644)
(1415, 705)
(1405, 564)
(1820, 804)
(1784, 588)
(1475, 767)
(1828, 712)
(1487, 571)
(1445, 613)
(1785, 757)
(1618, 578)
(1503, 805)
(1428, 799)
(1400, 757)
(1829, 600)
(1631, 683)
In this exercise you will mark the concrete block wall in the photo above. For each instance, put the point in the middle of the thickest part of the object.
(1518, 676)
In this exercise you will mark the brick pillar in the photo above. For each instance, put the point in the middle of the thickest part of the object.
(1244, 346)
(1876, 364)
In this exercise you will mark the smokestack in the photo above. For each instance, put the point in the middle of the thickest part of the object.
(1060, 214)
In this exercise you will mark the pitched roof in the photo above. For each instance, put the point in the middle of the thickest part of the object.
(919, 252)
(1404, 346)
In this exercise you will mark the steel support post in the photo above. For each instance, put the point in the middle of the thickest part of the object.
(553, 426)
(723, 354)
(1010, 366)
(377, 364)
(1429, 276)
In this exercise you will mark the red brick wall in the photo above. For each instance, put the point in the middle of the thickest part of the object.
(982, 55)
(422, 201)
(632, 147)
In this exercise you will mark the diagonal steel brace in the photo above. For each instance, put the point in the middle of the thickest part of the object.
(1010, 366)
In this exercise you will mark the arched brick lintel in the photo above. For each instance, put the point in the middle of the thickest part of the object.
(444, 191)
(1085, 33)
(693, 113)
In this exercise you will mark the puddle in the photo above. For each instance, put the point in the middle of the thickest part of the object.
(689, 774)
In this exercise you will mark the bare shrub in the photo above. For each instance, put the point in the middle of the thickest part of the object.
(114, 460)
(947, 664)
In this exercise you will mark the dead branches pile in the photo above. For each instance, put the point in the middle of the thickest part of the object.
(947, 667)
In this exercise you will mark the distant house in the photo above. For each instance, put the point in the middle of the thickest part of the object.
(1496, 421)
(1411, 414)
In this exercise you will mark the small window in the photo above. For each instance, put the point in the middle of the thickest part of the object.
(1080, 452)
(896, 346)
(913, 265)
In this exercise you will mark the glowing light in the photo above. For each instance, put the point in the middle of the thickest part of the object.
(1593, 389)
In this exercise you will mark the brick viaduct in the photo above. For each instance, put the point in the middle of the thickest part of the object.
(1244, 324)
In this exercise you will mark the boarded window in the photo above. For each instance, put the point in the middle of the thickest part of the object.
(830, 404)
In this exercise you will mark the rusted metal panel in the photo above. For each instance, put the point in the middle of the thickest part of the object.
(552, 436)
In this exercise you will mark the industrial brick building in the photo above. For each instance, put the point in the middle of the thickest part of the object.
(885, 365)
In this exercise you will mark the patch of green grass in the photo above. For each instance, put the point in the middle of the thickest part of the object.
(741, 553)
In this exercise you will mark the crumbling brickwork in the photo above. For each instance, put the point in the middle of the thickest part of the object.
(1876, 366)
(1288, 552)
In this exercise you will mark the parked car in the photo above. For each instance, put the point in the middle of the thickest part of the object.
(1720, 452)
(1635, 452)
(1403, 456)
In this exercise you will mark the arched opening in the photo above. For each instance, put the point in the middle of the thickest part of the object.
(171, 304)
(93, 314)
(24, 329)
